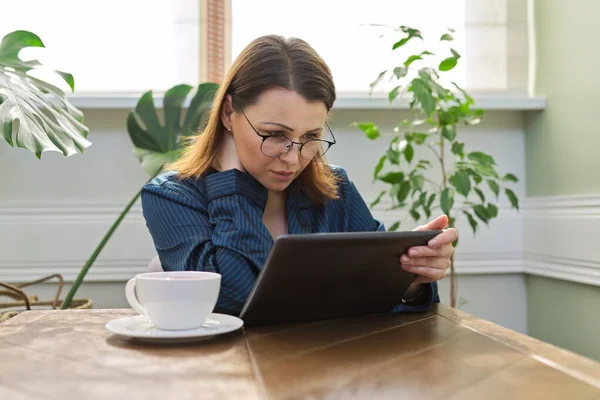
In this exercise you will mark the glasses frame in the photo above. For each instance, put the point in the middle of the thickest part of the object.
(300, 144)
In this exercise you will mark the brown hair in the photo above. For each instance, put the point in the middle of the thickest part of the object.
(267, 62)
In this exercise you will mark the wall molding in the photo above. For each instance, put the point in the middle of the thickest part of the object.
(561, 238)
(502, 101)
(118, 270)
(559, 235)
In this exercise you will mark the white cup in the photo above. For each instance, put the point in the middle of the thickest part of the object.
(174, 300)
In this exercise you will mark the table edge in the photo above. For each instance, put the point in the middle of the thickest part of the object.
(566, 361)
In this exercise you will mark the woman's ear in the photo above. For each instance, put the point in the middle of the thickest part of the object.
(227, 113)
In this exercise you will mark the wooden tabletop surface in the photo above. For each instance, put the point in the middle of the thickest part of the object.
(442, 354)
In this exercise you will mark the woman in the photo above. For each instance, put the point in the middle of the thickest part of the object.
(258, 171)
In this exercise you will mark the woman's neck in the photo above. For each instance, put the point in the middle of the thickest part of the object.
(275, 214)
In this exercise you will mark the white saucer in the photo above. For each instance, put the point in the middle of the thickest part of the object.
(139, 327)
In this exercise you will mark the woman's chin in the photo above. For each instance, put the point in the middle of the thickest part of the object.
(276, 186)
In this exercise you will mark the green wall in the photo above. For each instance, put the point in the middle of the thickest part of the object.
(563, 142)
(563, 158)
(566, 314)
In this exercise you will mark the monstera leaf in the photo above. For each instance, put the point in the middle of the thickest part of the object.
(34, 114)
(156, 144)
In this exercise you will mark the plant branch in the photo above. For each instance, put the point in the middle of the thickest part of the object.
(88, 264)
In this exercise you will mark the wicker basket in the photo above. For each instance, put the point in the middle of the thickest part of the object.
(23, 302)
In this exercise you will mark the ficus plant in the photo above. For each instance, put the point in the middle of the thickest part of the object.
(467, 183)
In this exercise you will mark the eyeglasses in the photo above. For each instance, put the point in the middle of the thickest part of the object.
(275, 146)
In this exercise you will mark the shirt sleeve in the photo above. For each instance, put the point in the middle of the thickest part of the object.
(219, 231)
(360, 219)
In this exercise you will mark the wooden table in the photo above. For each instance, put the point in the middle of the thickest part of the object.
(444, 354)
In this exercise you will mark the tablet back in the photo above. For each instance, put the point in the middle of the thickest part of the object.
(329, 275)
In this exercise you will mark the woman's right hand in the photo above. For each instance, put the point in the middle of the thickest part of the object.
(227, 156)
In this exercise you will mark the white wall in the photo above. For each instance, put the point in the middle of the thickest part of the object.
(53, 212)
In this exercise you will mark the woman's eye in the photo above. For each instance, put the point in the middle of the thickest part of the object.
(275, 133)
(311, 136)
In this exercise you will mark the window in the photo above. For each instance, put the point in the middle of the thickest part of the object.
(112, 45)
(489, 35)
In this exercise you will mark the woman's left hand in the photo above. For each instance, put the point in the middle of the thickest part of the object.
(430, 263)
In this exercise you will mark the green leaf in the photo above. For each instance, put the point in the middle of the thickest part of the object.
(393, 156)
(392, 177)
(418, 181)
(510, 178)
(67, 77)
(476, 177)
(481, 158)
(379, 166)
(400, 43)
(494, 187)
(149, 136)
(472, 221)
(412, 59)
(377, 199)
(455, 53)
(411, 33)
(423, 96)
(448, 132)
(416, 216)
(446, 200)
(173, 105)
(423, 164)
(409, 152)
(430, 200)
(400, 72)
(394, 227)
(448, 63)
(34, 114)
(492, 210)
(481, 212)
(153, 162)
(419, 138)
(460, 180)
(371, 130)
(199, 109)
(446, 118)
(458, 149)
(403, 192)
(479, 193)
(393, 93)
(485, 170)
(514, 201)
(468, 98)
(378, 79)
(15, 41)
(446, 36)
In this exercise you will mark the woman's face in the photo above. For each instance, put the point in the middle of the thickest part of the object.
(279, 113)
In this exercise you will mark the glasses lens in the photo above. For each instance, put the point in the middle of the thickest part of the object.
(275, 146)
(314, 149)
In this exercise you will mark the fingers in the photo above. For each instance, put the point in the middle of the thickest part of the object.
(429, 262)
(437, 224)
(423, 251)
(427, 274)
(446, 237)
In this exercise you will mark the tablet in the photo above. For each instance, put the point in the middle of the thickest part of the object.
(309, 277)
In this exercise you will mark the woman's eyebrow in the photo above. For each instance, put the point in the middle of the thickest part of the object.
(288, 128)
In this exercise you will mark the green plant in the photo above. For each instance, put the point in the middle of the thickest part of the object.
(156, 144)
(34, 114)
(436, 112)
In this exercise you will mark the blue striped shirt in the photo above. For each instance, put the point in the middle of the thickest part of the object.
(215, 224)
